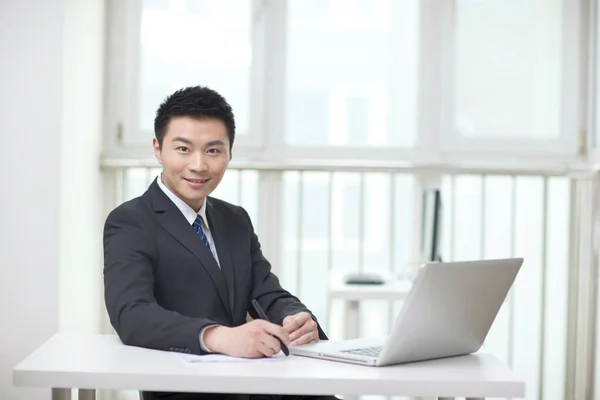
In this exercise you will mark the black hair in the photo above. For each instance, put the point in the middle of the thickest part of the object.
(195, 102)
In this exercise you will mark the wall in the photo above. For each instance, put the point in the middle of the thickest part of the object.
(81, 213)
(51, 202)
(30, 118)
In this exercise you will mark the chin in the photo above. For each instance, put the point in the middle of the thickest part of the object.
(200, 194)
(196, 196)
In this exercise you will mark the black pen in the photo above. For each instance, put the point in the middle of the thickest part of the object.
(262, 315)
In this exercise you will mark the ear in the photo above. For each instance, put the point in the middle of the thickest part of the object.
(157, 150)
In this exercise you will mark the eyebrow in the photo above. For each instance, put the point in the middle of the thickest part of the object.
(215, 143)
(181, 139)
(189, 142)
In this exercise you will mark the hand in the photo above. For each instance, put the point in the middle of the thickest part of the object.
(254, 339)
(301, 328)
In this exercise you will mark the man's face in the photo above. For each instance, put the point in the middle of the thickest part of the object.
(194, 156)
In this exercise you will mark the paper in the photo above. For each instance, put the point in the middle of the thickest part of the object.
(194, 359)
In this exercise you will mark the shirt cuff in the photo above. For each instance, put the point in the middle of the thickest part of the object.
(201, 338)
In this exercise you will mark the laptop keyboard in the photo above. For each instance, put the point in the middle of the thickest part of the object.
(369, 351)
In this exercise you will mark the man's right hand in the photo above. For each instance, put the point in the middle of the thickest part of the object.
(254, 339)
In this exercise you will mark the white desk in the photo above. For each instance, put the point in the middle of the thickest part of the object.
(91, 362)
(354, 294)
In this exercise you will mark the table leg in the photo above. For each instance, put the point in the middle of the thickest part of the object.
(352, 319)
(352, 330)
(61, 394)
(466, 398)
(87, 394)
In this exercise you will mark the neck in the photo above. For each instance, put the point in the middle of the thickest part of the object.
(197, 206)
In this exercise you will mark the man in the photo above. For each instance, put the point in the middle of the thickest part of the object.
(181, 268)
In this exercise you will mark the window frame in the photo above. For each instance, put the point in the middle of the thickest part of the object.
(434, 105)
(570, 145)
(123, 66)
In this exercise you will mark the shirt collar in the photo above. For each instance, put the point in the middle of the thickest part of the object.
(187, 211)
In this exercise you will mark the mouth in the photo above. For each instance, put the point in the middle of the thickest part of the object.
(196, 182)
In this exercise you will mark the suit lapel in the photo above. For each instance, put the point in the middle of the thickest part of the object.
(173, 221)
(217, 224)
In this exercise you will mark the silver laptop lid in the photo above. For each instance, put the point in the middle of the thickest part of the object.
(449, 310)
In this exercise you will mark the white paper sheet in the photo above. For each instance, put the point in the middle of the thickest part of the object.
(193, 358)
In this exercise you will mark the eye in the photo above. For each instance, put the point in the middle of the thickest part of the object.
(183, 149)
(214, 151)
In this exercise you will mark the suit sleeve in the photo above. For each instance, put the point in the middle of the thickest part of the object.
(130, 257)
(277, 302)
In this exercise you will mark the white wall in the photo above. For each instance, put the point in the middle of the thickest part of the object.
(30, 120)
(81, 215)
(51, 74)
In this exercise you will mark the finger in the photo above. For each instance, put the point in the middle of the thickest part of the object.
(293, 322)
(311, 337)
(265, 351)
(269, 345)
(309, 326)
(298, 321)
(277, 331)
(254, 354)
(252, 350)
(303, 317)
(288, 320)
(289, 327)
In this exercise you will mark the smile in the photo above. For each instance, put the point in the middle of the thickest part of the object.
(196, 182)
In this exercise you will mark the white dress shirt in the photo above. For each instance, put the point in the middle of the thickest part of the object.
(190, 215)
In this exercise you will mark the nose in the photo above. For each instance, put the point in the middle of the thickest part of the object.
(198, 163)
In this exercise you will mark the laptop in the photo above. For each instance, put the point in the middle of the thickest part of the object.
(448, 312)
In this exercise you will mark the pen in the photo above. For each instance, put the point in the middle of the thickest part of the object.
(262, 315)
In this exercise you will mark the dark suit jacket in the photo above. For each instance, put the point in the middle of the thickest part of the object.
(162, 285)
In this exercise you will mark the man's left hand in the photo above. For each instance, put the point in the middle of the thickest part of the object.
(301, 328)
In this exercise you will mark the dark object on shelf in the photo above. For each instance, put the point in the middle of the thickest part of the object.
(364, 279)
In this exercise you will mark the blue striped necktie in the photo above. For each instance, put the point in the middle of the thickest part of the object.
(197, 225)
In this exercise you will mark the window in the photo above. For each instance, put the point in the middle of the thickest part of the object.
(381, 79)
(335, 223)
(351, 73)
(194, 42)
(516, 59)
(511, 75)
(487, 217)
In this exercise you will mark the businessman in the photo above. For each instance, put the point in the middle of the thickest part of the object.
(181, 268)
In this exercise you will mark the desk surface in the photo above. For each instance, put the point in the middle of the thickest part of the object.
(69, 360)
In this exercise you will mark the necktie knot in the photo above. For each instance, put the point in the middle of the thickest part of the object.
(197, 225)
